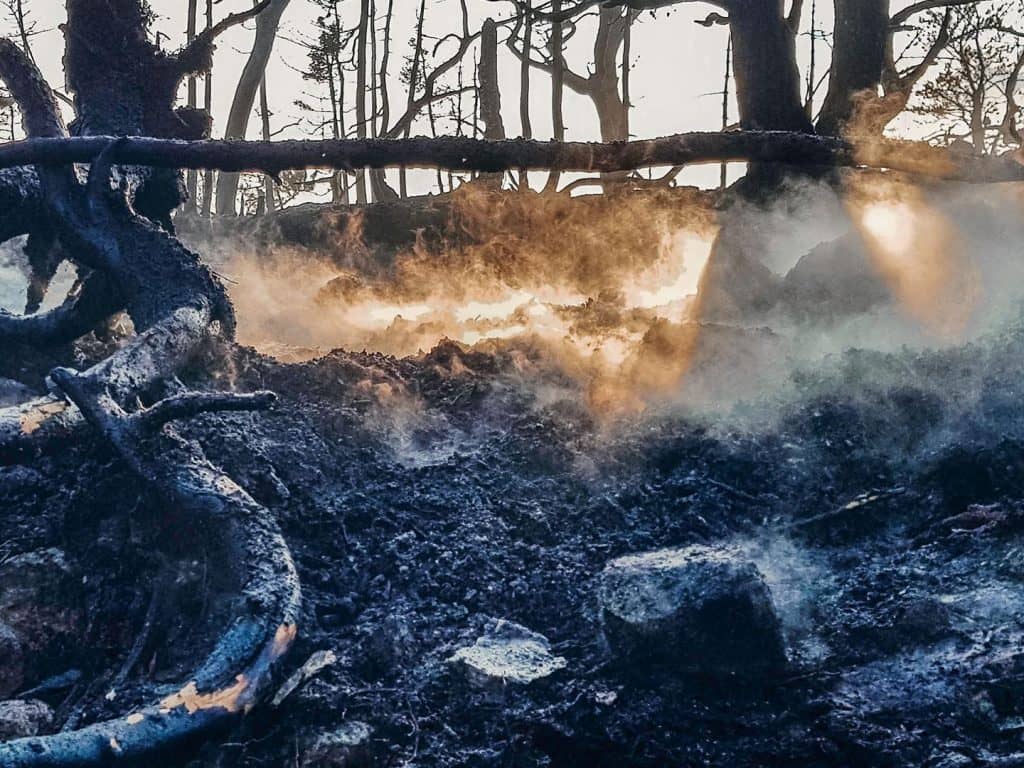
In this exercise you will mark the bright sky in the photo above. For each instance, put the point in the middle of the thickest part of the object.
(676, 77)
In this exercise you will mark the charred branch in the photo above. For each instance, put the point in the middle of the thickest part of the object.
(465, 154)
(194, 403)
(197, 56)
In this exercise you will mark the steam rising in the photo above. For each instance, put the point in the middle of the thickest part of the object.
(605, 289)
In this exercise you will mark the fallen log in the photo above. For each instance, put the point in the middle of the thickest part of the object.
(465, 154)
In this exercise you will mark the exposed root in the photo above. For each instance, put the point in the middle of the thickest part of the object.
(235, 675)
(176, 304)
(156, 354)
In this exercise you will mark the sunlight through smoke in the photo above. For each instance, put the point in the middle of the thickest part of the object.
(924, 260)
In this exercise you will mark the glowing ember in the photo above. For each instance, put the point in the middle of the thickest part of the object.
(476, 307)
(673, 277)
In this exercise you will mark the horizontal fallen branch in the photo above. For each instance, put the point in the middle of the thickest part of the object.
(463, 154)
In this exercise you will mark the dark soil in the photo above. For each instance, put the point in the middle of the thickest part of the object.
(883, 500)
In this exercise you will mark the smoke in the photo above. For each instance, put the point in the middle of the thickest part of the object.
(614, 292)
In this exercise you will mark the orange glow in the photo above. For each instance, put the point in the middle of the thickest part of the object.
(230, 698)
(922, 258)
(33, 418)
(586, 280)
(283, 639)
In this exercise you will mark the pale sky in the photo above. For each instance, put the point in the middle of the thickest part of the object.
(676, 77)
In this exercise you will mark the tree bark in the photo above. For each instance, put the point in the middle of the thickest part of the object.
(207, 204)
(361, 132)
(526, 125)
(378, 180)
(414, 72)
(858, 53)
(490, 93)
(557, 88)
(245, 95)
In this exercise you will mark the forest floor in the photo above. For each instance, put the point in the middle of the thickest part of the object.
(882, 499)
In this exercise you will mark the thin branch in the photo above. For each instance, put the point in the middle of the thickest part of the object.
(911, 77)
(195, 57)
(902, 17)
(192, 404)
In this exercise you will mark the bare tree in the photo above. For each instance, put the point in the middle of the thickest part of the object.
(381, 117)
(413, 79)
(244, 98)
(268, 183)
(864, 62)
(361, 71)
(326, 66)
(973, 97)
(556, 46)
(602, 84)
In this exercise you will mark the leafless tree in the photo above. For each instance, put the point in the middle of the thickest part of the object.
(973, 97)
(267, 23)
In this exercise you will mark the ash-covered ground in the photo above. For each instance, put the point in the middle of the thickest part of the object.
(883, 509)
(426, 499)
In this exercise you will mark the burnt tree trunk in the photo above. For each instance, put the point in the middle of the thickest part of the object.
(414, 78)
(767, 82)
(206, 206)
(765, 67)
(858, 55)
(192, 178)
(361, 66)
(378, 180)
(556, 45)
(490, 94)
(525, 123)
(123, 85)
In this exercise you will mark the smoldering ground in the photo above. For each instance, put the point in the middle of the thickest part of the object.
(864, 451)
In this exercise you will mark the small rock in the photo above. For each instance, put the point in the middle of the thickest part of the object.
(348, 746)
(606, 698)
(697, 608)
(953, 760)
(12, 661)
(20, 718)
(508, 653)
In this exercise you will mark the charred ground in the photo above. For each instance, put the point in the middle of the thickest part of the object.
(882, 504)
